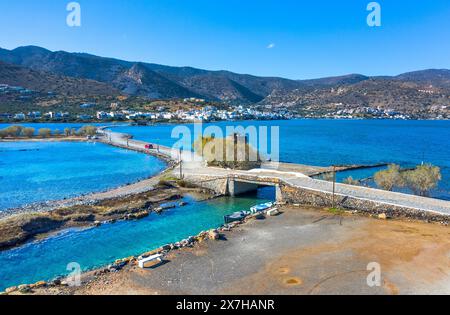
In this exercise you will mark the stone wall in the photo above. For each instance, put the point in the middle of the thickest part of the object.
(303, 196)
(296, 195)
(218, 185)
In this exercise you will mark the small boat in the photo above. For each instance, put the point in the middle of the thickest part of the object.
(261, 207)
(237, 216)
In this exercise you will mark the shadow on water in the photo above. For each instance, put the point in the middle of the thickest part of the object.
(263, 192)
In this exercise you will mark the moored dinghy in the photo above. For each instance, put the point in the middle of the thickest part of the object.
(261, 207)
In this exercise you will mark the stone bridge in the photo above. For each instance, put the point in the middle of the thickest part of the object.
(292, 186)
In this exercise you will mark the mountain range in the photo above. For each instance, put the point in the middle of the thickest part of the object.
(80, 73)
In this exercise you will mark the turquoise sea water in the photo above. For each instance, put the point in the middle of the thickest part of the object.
(328, 142)
(38, 171)
(316, 142)
(96, 247)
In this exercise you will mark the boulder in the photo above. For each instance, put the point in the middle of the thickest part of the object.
(140, 215)
(56, 282)
(40, 284)
(24, 288)
(260, 216)
(382, 216)
(213, 235)
(166, 247)
(273, 212)
(11, 290)
(158, 210)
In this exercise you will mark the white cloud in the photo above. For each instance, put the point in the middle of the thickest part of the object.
(270, 46)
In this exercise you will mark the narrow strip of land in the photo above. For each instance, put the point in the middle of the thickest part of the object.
(194, 167)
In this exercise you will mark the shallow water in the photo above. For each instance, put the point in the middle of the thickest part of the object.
(38, 171)
(96, 247)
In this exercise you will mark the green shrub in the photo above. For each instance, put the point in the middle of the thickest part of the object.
(87, 131)
(423, 179)
(165, 184)
(227, 153)
(184, 184)
(3, 134)
(328, 176)
(45, 132)
(390, 178)
(351, 181)
(13, 131)
(28, 132)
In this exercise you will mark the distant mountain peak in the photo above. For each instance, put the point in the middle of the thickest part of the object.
(160, 81)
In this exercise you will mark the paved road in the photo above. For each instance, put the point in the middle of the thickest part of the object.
(192, 166)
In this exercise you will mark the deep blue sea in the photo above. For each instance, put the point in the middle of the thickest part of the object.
(38, 171)
(338, 142)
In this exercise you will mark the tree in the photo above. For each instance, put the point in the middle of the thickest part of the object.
(388, 179)
(328, 176)
(56, 132)
(28, 132)
(87, 131)
(14, 131)
(3, 133)
(423, 179)
(44, 132)
(67, 132)
(351, 181)
(228, 152)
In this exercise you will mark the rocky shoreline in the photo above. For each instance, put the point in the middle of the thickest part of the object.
(81, 200)
(18, 228)
(61, 283)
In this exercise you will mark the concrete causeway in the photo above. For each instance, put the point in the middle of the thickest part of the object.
(293, 187)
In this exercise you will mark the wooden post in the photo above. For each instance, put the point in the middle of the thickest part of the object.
(334, 187)
(181, 166)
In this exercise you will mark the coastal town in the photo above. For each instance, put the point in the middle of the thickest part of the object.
(191, 109)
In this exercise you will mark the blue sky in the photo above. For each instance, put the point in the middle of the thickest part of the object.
(292, 38)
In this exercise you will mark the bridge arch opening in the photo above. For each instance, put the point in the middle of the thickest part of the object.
(237, 187)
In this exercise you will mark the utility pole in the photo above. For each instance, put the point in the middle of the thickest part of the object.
(334, 187)
(181, 166)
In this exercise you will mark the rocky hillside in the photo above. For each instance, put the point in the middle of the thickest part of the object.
(419, 92)
(45, 82)
(150, 80)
